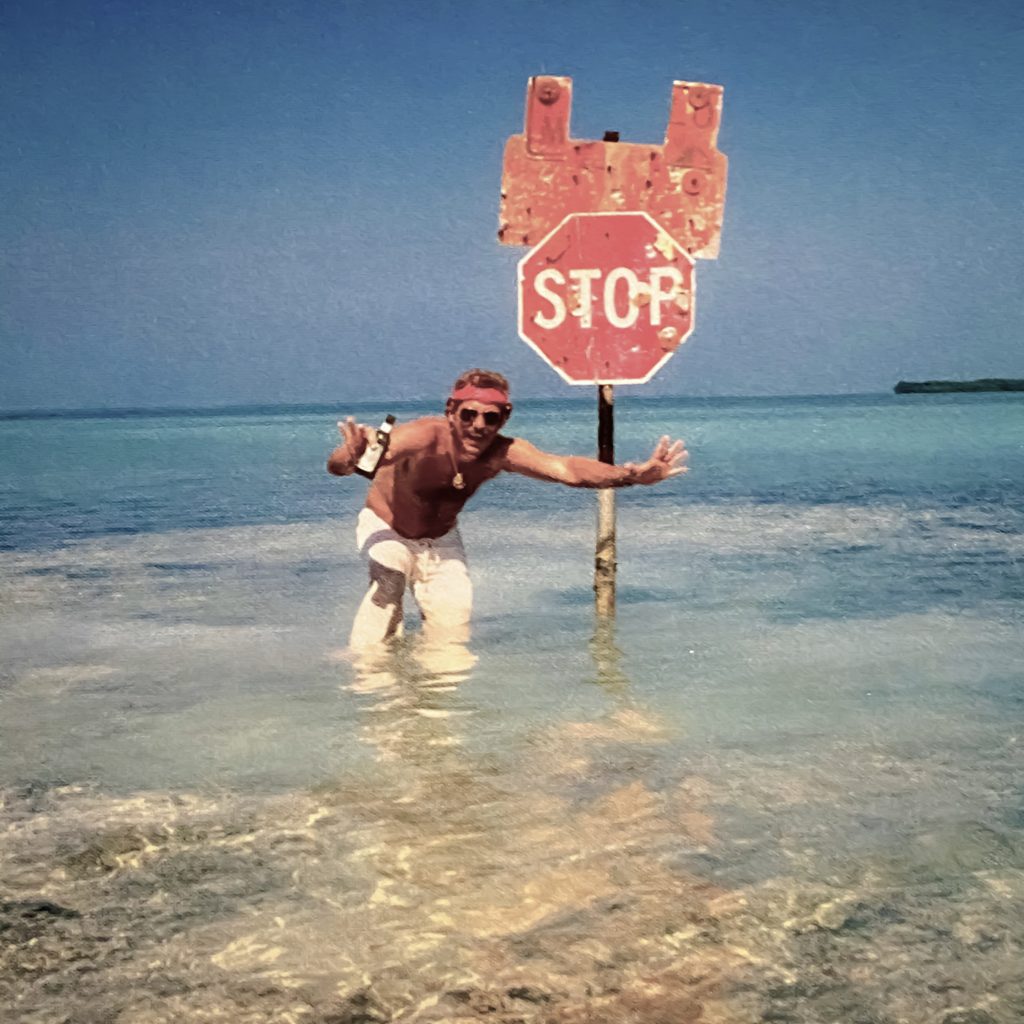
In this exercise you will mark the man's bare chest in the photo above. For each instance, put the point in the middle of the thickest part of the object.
(437, 477)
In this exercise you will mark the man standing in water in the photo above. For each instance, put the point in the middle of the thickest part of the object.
(433, 466)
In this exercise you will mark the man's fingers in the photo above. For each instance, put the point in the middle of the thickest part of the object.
(660, 448)
(677, 452)
(352, 432)
(664, 451)
(668, 459)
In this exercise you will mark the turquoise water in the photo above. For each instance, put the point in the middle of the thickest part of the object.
(787, 785)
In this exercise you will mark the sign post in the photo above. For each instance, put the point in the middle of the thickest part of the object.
(605, 563)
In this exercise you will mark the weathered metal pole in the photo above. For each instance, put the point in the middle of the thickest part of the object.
(604, 553)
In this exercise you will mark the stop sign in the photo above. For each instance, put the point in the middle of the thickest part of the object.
(606, 298)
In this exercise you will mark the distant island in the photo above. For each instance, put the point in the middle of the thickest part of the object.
(930, 387)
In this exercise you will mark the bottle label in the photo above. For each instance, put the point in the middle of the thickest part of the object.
(370, 458)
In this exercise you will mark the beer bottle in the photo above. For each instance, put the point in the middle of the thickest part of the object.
(370, 459)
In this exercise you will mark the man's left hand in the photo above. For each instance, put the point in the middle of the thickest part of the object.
(668, 459)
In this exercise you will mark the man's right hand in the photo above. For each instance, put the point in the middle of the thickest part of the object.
(355, 437)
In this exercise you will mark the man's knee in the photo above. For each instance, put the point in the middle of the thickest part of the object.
(387, 586)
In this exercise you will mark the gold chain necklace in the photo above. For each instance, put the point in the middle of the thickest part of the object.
(458, 481)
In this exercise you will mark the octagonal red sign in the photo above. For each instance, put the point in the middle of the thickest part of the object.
(606, 298)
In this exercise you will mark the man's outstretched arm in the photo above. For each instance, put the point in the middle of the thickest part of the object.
(667, 460)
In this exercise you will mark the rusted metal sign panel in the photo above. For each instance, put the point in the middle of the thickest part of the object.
(606, 298)
(548, 175)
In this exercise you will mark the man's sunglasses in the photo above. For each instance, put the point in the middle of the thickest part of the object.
(492, 419)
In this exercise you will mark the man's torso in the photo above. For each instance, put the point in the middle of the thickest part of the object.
(417, 495)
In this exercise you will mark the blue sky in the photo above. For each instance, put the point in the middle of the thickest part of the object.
(224, 203)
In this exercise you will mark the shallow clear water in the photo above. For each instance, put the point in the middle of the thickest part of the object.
(787, 786)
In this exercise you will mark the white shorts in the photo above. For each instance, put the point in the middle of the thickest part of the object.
(435, 568)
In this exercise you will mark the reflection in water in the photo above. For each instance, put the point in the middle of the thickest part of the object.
(623, 719)
(607, 659)
(408, 696)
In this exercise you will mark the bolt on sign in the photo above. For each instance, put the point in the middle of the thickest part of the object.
(606, 298)
(681, 183)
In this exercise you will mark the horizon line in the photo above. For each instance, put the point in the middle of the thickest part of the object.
(99, 412)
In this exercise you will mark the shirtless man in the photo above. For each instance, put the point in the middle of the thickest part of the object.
(433, 466)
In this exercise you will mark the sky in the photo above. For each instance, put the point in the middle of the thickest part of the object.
(226, 203)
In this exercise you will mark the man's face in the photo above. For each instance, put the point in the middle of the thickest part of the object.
(475, 425)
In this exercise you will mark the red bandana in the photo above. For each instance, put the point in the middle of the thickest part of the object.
(471, 393)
